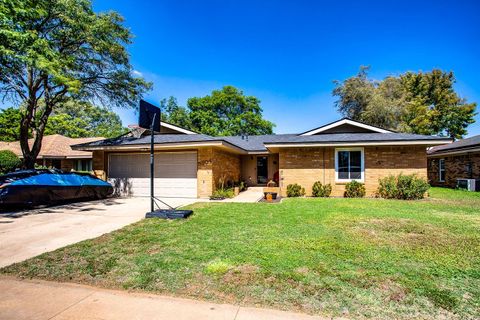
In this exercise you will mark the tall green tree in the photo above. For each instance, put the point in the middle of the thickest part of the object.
(10, 119)
(224, 112)
(56, 50)
(82, 120)
(228, 112)
(422, 102)
(433, 106)
(354, 94)
(72, 119)
(175, 114)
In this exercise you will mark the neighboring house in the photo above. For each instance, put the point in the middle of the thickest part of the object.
(57, 153)
(460, 159)
(188, 164)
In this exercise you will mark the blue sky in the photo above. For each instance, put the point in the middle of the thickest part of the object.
(287, 53)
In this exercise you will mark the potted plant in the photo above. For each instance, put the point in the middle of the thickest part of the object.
(271, 189)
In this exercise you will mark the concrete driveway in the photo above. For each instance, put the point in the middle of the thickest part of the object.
(29, 233)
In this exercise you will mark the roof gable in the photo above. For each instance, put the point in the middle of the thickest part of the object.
(345, 125)
(174, 128)
(165, 128)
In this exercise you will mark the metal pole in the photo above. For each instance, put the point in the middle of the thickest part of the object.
(152, 174)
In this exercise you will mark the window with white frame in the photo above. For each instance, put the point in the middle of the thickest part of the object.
(441, 170)
(349, 164)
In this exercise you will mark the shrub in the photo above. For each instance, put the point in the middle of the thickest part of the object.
(319, 190)
(405, 187)
(223, 193)
(295, 190)
(388, 187)
(8, 161)
(354, 189)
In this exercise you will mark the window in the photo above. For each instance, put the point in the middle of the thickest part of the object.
(441, 170)
(56, 163)
(349, 164)
(83, 165)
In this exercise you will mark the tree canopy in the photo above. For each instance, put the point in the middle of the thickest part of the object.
(415, 102)
(84, 120)
(10, 119)
(72, 119)
(55, 50)
(222, 113)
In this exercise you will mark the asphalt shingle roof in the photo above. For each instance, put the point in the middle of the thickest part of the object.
(54, 146)
(457, 145)
(145, 139)
(257, 143)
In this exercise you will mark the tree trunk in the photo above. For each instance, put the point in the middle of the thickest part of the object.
(28, 157)
(30, 120)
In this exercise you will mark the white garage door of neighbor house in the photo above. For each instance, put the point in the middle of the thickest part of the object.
(175, 174)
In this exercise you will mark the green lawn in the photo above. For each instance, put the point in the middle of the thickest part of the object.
(357, 257)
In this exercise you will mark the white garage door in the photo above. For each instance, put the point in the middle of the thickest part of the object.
(175, 174)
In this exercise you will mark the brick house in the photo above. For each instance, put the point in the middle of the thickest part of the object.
(460, 159)
(189, 164)
(57, 153)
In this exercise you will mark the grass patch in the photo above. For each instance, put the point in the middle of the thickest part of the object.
(368, 258)
(218, 267)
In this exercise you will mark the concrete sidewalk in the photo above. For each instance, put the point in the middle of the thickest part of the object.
(42, 300)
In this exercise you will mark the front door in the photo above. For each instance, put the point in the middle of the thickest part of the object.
(262, 170)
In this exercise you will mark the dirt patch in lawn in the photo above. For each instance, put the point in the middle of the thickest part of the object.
(241, 275)
(392, 291)
(403, 232)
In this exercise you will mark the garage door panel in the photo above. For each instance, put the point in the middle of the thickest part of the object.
(129, 166)
(175, 174)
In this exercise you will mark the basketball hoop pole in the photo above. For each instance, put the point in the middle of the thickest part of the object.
(152, 174)
(148, 119)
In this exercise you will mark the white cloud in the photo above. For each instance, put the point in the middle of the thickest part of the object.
(137, 73)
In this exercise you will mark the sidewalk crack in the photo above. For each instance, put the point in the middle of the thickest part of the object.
(236, 314)
(70, 306)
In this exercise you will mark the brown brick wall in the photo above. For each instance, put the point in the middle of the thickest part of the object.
(307, 165)
(204, 172)
(383, 161)
(213, 165)
(226, 167)
(465, 166)
(99, 164)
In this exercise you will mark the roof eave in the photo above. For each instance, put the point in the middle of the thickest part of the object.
(355, 143)
(454, 151)
(167, 145)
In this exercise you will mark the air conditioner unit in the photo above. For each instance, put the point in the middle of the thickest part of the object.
(469, 184)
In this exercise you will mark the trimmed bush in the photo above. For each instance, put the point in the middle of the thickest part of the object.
(404, 187)
(8, 161)
(354, 189)
(295, 190)
(319, 190)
